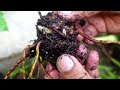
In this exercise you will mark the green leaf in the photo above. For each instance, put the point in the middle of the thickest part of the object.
(104, 76)
(116, 62)
(102, 67)
(32, 62)
(107, 72)
(41, 58)
(32, 78)
(14, 73)
(3, 23)
(108, 38)
(1, 13)
(5, 70)
(21, 70)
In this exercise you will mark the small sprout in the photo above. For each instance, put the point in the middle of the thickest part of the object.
(41, 58)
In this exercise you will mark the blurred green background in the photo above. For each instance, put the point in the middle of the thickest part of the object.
(110, 68)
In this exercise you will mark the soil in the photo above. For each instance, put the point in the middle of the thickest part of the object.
(60, 40)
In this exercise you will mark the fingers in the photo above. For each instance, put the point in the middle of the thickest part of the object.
(94, 73)
(92, 64)
(73, 15)
(106, 23)
(90, 61)
(102, 21)
(79, 37)
(70, 68)
(81, 53)
(91, 30)
(112, 23)
(54, 74)
(98, 22)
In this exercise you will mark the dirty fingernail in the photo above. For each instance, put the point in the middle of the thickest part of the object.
(65, 63)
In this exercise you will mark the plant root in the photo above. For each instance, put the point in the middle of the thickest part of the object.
(37, 56)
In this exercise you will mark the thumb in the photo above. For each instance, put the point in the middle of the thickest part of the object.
(70, 68)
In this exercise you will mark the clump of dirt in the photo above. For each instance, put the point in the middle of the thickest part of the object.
(56, 37)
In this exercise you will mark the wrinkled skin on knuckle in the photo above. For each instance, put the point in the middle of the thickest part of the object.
(112, 23)
(98, 22)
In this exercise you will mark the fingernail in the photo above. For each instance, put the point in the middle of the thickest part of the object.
(79, 37)
(65, 63)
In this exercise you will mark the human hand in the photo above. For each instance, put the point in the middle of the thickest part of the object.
(70, 68)
(97, 22)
